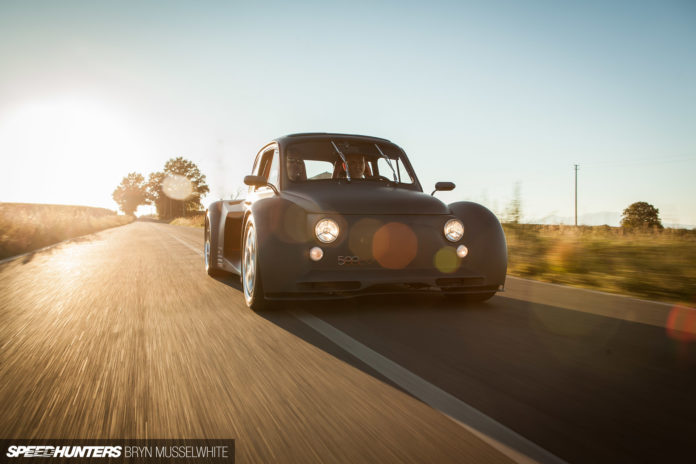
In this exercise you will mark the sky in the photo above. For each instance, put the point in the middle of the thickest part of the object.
(490, 95)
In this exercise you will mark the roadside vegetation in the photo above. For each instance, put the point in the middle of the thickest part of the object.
(196, 220)
(175, 191)
(26, 227)
(651, 263)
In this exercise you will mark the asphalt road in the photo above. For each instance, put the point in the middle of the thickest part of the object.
(121, 334)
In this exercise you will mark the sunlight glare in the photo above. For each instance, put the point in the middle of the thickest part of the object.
(177, 187)
(65, 150)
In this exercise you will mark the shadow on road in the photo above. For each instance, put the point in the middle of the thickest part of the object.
(586, 387)
(583, 386)
(50, 249)
(342, 313)
(282, 315)
(231, 280)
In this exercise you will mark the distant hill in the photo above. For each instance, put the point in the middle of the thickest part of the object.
(609, 218)
(591, 219)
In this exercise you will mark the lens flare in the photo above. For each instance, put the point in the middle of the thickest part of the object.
(681, 324)
(394, 245)
(361, 237)
(446, 260)
(177, 187)
(551, 324)
(294, 225)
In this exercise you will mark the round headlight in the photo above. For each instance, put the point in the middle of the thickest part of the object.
(316, 253)
(462, 251)
(326, 230)
(454, 230)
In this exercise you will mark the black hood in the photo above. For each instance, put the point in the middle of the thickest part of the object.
(363, 198)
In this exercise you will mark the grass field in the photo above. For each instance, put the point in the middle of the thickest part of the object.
(657, 265)
(25, 227)
(191, 221)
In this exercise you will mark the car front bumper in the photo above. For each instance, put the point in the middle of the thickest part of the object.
(353, 265)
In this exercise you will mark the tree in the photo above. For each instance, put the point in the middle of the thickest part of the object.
(131, 193)
(177, 190)
(641, 215)
(157, 196)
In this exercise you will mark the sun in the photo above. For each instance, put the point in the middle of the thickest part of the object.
(64, 150)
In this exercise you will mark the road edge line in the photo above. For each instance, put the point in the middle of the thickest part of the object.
(185, 244)
(432, 395)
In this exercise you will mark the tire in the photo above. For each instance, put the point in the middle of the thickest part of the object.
(252, 287)
(469, 297)
(210, 252)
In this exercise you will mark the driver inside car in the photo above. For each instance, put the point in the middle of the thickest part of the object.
(296, 167)
(356, 165)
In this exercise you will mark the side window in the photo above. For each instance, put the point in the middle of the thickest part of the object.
(273, 170)
(268, 168)
(258, 164)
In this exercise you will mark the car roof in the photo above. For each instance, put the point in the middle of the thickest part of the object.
(318, 135)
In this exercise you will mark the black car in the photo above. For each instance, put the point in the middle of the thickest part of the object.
(336, 215)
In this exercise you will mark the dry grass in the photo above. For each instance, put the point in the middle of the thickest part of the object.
(651, 264)
(25, 227)
(197, 220)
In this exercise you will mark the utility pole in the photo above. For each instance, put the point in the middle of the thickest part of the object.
(576, 195)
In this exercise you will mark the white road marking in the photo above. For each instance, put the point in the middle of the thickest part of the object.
(197, 250)
(513, 444)
(505, 440)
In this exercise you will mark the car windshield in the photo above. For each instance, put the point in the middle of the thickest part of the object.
(354, 161)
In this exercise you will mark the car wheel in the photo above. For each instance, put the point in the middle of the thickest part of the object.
(469, 297)
(210, 254)
(251, 278)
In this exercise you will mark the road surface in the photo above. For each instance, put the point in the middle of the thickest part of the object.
(121, 334)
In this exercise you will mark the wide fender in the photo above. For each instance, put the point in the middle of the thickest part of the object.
(485, 239)
(213, 213)
(283, 240)
(214, 223)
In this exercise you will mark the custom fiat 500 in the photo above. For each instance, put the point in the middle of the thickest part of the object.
(336, 215)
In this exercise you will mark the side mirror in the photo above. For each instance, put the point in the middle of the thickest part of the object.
(441, 186)
(260, 181)
(255, 181)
